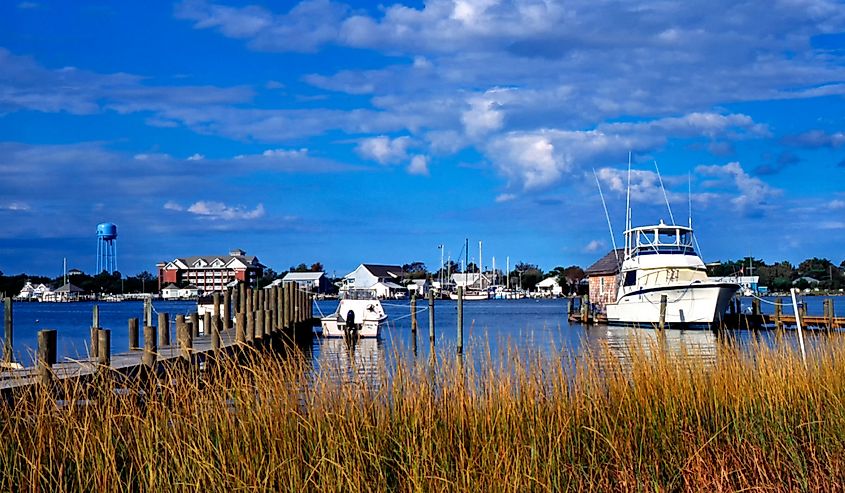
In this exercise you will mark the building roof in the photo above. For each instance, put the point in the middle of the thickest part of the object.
(607, 265)
(171, 286)
(380, 270)
(390, 285)
(69, 288)
(548, 282)
(208, 260)
(303, 276)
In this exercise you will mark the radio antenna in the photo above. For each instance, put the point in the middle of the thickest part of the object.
(607, 215)
(665, 197)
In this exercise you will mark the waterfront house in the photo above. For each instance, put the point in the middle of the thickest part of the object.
(549, 287)
(211, 273)
(470, 281)
(419, 287)
(68, 292)
(602, 278)
(368, 276)
(174, 292)
(313, 282)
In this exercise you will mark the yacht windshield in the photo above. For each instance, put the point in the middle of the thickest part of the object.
(664, 240)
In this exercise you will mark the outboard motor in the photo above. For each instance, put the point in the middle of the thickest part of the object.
(350, 322)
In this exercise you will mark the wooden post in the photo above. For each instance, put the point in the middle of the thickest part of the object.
(134, 343)
(570, 306)
(236, 299)
(286, 309)
(206, 323)
(148, 311)
(280, 308)
(832, 313)
(240, 328)
(268, 324)
(46, 355)
(779, 313)
(272, 294)
(163, 329)
(585, 309)
(755, 306)
(149, 358)
(104, 347)
(460, 337)
(95, 318)
(431, 316)
(227, 309)
(195, 324)
(215, 324)
(663, 300)
(95, 343)
(259, 325)
(185, 339)
(249, 334)
(414, 313)
(8, 334)
(242, 297)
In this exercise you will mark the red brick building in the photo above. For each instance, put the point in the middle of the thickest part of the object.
(602, 277)
(211, 273)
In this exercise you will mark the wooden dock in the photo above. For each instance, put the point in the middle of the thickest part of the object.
(261, 318)
(579, 311)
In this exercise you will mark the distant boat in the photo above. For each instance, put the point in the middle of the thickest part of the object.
(359, 314)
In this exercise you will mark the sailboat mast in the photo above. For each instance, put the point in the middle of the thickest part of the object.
(628, 209)
(508, 273)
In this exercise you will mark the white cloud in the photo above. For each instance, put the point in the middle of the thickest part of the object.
(419, 165)
(505, 197)
(750, 194)
(836, 204)
(196, 157)
(383, 149)
(284, 153)
(218, 210)
(595, 246)
(483, 115)
(15, 207)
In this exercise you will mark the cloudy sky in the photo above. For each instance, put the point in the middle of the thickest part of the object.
(345, 133)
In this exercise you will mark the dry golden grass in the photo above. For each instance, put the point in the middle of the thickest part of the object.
(755, 420)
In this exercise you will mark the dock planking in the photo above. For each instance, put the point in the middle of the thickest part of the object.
(202, 346)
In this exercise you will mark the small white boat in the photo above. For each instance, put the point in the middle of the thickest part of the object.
(471, 295)
(359, 314)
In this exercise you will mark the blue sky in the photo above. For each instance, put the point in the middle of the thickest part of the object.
(347, 132)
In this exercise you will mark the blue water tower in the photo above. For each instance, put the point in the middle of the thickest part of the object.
(106, 247)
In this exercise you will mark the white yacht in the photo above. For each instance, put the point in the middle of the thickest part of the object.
(661, 260)
(359, 314)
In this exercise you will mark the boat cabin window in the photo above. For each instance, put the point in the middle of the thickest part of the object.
(630, 278)
(668, 240)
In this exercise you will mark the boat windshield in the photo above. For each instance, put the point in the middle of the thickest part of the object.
(360, 294)
(662, 240)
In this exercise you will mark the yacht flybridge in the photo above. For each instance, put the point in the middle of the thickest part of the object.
(661, 260)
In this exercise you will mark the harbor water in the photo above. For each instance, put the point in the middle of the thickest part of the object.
(491, 327)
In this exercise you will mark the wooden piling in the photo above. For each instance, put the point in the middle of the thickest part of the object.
(414, 313)
(287, 309)
(779, 313)
(215, 324)
(431, 316)
(46, 355)
(585, 309)
(236, 299)
(272, 311)
(249, 334)
(460, 337)
(280, 308)
(259, 325)
(149, 358)
(243, 295)
(663, 301)
(195, 324)
(104, 348)
(570, 306)
(268, 324)
(8, 334)
(163, 329)
(93, 352)
(148, 311)
(755, 306)
(227, 309)
(95, 316)
(206, 323)
(186, 341)
(133, 334)
(240, 328)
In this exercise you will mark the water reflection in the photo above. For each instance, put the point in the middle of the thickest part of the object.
(350, 359)
(624, 343)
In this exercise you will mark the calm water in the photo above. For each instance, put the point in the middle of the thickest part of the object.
(494, 325)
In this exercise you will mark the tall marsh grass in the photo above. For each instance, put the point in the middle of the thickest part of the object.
(756, 419)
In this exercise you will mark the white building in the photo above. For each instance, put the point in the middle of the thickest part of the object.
(549, 287)
(383, 279)
(174, 292)
(470, 280)
(419, 287)
(33, 293)
(314, 282)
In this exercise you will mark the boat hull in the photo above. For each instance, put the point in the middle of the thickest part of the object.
(332, 327)
(697, 304)
(470, 296)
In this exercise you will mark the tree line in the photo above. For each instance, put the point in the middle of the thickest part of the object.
(780, 276)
